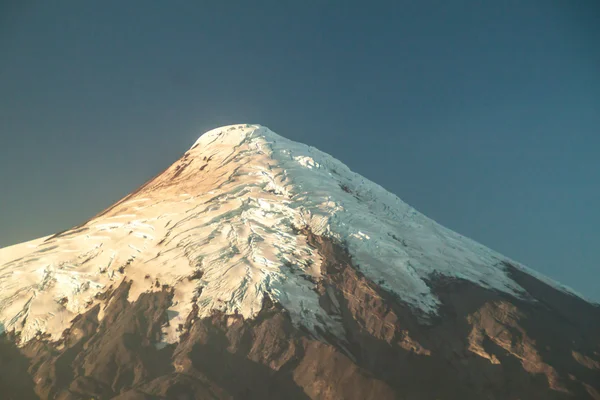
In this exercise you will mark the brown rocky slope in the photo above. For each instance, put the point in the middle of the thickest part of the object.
(483, 345)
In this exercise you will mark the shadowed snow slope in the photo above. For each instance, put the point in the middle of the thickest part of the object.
(224, 226)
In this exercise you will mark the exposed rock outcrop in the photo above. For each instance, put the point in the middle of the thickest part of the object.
(484, 344)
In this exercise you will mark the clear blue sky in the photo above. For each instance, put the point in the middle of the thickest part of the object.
(484, 115)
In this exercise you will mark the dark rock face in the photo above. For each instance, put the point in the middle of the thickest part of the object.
(482, 345)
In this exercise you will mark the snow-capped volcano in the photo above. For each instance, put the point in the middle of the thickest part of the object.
(246, 217)
(221, 227)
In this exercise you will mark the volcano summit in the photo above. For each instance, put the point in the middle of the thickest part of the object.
(257, 267)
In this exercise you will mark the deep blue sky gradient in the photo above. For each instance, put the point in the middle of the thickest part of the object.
(483, 115)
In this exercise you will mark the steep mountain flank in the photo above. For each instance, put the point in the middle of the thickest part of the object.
(257, 268)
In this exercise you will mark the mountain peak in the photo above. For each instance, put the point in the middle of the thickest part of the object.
(234, 134)
(232, 211)
(229, 213)
(248, 222)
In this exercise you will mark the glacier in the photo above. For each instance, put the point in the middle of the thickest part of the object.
(223, 227)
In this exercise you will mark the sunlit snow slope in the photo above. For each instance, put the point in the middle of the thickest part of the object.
(224, 227)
